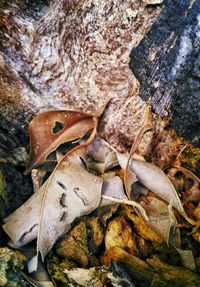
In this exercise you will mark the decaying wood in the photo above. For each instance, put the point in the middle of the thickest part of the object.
(167, 64)
(154, 272)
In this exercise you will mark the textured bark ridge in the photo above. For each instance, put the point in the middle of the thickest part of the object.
(68, 54)
(76, 57)
(71, 54)
(167, 64)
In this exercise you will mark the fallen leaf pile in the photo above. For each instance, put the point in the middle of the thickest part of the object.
(102, 218)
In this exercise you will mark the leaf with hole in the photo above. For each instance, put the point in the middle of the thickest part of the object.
(51, 129)
(188, 182)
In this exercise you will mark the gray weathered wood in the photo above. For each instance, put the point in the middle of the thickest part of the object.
(167, 64)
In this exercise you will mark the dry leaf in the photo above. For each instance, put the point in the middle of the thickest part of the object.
(196, 212)
(103, 157)
(137, 190)
(37, 177)
(153, 272)
(154, 179)
(102, 167)
(133, 189)
(70, 193)
(98, 149)
(188, 181)
(40, 278)
(187, 257)
(107, 158)
(122, 159)
(37, 283)
(142, 227)
(51, 129)
(129, 176)
(159, 217)
(112, 187)
(93, 277)
(74, 245)
(119, 233)
(22, 225)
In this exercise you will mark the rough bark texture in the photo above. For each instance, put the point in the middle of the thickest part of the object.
(167, 64)
(76, 57)
(71, 54)
(68, 55)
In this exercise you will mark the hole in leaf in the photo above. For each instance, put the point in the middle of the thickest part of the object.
(58, 127)
(189, 183)
(179, 175)
(51, 156)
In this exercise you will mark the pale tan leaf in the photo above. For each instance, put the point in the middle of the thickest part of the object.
(112, 187)
(130, 179)
(71, 192)
(154, 179)
(98, 149)
(22, 225)
(111, 161)
(187, 259)
(137, 190)
(123, 159)
(186, 256)
(36, 283)
(37, 176)
(129, 176)
(134, 204)
(159, 217)
(103, 157)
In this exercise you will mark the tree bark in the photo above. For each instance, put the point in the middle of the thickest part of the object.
(71, 54)
(167, 64)
(76, 57)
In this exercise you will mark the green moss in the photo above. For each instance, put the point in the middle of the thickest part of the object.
(74, 245)
(191, 159)
(11, 263)
(56, 267)
(3, 196)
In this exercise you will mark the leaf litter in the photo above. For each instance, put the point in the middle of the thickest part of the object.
(138, 212)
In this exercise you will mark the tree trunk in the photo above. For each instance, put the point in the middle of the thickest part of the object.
(167, 64)
(71, 54)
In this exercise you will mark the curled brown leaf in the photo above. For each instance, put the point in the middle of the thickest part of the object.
(51, 129)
